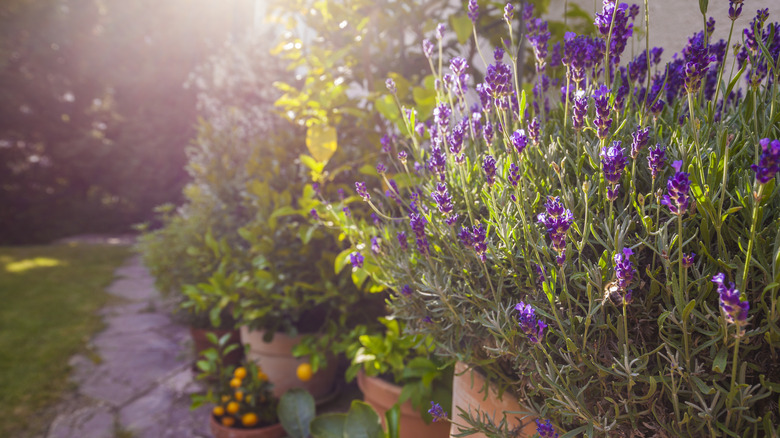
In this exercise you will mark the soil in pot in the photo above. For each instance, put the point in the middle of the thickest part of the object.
(277, 361)
(382, 395)
(220, 431)
(468, 388)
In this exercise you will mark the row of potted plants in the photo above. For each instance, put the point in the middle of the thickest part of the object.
(594, 243)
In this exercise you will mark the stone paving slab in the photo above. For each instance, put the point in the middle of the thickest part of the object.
(141, 383)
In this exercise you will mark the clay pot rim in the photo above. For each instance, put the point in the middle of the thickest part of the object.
(369, 383)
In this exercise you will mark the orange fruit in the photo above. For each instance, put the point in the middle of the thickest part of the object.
(249, 419)
(228, 421)
(262, 376)
(304, 372)
(232, 407)
(238, 395)
(239, 373)
(218, 411)
(235, 383)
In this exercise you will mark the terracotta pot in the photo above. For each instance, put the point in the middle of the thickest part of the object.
(277, 361)
(220, 431)
(468, 388)
(201, 342)
(383, 395)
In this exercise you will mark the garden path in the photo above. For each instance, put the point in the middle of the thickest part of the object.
(139, 380)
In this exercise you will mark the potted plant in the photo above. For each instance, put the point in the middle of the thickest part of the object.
(178, 255)
(244, 404)
(607, 255)
(297, 414)
(393, 368)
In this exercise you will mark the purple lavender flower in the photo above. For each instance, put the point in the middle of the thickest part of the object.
(402, 240)
(441, 114)
(538, 35)
(513, 175)
(458, 65)
(360, 188)
(464, 235)
(356, 259)
(380, 168)
(478, 236)
(347, 212)
(393, 192)
(735, 9)
(489, 167)
(375, 248)
(402, 156)
(528, 11)
(735, 310)
(316, 187)
(640, 137)
(473, 11)
(427, 48)
(580, 54)
(602, 121)
(441, 28)
(406, 290)
(417, 222)
(655, 159)
(341, 194)
(487, 133)
(769, 163)
(509, 12)
(677, 187)
(613, 22)
(438, 162)
(314, 214)
(696, 58)
(624, 269)
(579, 110)
(535, 130)
(546, 429)
(442, 198)
(519, 140)
(390, 84)
(687, 259)
(529, 323)
(613, 162)
(437, 412)
(376, 220)
(557, 221)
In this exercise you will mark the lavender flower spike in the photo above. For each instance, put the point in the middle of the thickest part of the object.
(360, 188)
(735, 310)
(529, 323)
(624, 269)
(489, 167)
(769, 163)
(473, 10)
(437, 412)
(356, 259)
(546, 429)
(613, 162)
(655, 159)
(678, 186)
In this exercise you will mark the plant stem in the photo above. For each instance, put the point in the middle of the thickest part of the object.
(756, 205)
(684, 292)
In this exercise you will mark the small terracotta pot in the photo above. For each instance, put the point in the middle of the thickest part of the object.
(220, 431)
(383, 395)
(276, 360)
(201, 342)
(468, 394)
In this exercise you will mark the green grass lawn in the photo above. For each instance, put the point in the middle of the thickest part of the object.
(49, 296)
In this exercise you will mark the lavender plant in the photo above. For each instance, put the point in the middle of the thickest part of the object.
(617, 291)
